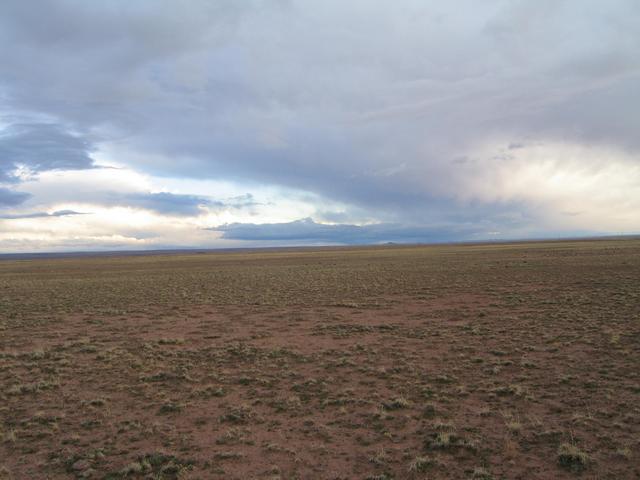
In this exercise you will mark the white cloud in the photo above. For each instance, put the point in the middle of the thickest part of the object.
(567, 185)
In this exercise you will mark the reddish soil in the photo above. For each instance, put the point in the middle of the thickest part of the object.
(491, 380)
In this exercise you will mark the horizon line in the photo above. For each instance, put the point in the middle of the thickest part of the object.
(205, 250)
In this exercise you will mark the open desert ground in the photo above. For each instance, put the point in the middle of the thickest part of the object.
(488, 361)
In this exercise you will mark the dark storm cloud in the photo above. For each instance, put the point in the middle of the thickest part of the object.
(11, 198)
(368, 103)
(58, 213)
(39, 147)
(308, 231)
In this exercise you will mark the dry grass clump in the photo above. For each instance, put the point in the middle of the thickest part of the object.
(572, 458)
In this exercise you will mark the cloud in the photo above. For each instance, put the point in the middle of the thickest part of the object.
(417, 113)
(121, 187)
(166, 203)
(11, 198)
(308, 231)
(39, 147)
(57, 213)
(180, 204)
(246, 200)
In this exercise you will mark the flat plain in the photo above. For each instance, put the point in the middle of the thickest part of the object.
(488, 361)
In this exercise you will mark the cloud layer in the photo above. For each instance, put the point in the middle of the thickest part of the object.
(57, 213)
(516, 117)
(40, 147)
(307, 231)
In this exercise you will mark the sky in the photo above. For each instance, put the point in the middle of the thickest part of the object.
(155, 124)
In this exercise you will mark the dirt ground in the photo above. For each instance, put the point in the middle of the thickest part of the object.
(515, 361)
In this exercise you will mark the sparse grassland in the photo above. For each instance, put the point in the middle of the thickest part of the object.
(471, 361)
